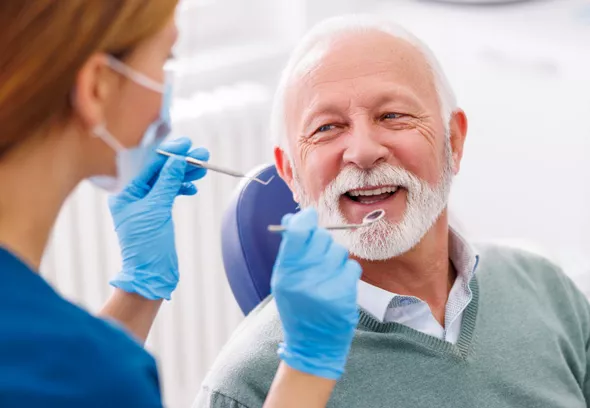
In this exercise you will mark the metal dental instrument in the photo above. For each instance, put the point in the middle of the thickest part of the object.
(368, 219)
(212, 167)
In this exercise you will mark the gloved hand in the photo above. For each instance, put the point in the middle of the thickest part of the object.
(314, 284)
(142, 214)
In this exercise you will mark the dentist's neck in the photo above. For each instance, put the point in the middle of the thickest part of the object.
(424, 272)
(35, 180)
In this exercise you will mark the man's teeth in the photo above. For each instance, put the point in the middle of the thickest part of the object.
(377, 191)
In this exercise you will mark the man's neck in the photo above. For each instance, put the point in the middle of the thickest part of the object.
(425, 272)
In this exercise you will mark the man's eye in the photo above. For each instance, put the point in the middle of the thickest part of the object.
(391, 116)
(325, 128)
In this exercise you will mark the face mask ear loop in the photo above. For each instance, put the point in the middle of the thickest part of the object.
(101, 132)
(135, 76)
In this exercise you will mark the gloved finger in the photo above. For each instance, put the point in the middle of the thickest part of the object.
(312, 254)
(305, 220)
(149, 174)
(188, 189)
(194, 172)
(351, 276)
(298, 232)
(169, 182)
(179, 146)
(283, 251)
(336, 256)
(353, 270)
(286, 218)
(318, 246)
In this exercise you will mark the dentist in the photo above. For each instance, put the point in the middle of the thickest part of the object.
(84, 95)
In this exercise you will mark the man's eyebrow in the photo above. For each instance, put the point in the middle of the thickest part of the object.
(332, 107)
(320, 109)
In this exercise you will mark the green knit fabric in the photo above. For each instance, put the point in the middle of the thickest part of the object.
(524, 343)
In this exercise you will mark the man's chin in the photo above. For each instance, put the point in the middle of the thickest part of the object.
(364, 244)
(372, 253)
(379, 243)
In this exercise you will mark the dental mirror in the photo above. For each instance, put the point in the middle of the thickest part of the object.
(368, 219)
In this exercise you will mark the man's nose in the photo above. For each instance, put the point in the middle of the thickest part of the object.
(364, 148)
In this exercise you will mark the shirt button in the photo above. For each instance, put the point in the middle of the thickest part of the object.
(405, 302)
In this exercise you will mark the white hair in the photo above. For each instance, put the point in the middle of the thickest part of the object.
(331, 29)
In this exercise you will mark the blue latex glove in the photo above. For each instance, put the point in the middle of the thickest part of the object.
(314, 284)
(142, 214)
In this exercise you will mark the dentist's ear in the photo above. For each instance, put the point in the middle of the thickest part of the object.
(92, 88)
(285, 169)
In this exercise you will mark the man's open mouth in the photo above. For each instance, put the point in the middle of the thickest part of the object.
(371, 195)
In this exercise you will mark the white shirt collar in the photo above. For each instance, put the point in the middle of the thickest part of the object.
(376, 301)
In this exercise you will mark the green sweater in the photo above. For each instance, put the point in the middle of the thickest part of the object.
(524, 343)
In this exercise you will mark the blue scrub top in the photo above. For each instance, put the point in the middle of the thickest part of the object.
(54, 354)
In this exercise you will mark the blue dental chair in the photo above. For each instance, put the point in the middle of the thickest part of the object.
(249, 250)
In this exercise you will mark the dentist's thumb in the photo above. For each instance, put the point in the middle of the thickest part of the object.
(169, 182)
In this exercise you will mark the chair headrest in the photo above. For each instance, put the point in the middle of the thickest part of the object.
(249, 250)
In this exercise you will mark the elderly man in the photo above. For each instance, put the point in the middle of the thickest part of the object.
(365, 120)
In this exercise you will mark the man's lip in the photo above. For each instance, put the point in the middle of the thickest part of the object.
(374, 191)
(372, 188)
(360, 198)
(355, 210)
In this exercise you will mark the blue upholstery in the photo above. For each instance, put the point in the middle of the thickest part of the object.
(249, 250)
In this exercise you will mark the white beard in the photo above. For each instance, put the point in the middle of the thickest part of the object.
(384, 239)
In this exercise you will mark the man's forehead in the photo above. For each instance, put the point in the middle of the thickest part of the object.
(352, 57)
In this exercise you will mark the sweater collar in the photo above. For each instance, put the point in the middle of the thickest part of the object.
(462, 254)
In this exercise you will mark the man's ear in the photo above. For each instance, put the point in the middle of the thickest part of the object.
(458, 132)
(285, 169)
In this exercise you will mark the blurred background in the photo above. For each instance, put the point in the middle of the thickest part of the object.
(521, 70)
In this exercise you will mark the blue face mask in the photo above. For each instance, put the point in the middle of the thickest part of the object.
(130, 161)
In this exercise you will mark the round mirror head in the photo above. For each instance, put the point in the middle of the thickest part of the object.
(373, 216)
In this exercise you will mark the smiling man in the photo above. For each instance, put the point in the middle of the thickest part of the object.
(365, 119)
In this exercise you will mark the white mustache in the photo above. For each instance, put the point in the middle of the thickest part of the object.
(353, 178)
